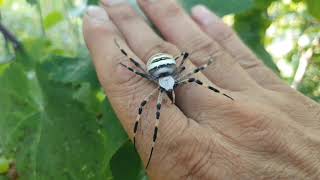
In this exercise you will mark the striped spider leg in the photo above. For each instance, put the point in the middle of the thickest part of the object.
(184, 79)
(143, 74)
(155, 132)
(142, 105)
(181, 68)
(198, 82)
(196, 70)
(148, 76)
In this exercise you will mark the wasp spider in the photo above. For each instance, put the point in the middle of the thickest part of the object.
(162, 69)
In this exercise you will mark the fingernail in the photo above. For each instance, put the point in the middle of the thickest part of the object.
(112, 2)
(97, 13)
(202, 14)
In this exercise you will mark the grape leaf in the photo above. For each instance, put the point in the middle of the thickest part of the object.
(94, 2)
(75, 70)
(128, 159)
(86, 95)
(1, 3)
(220, 7)
(52, 19)
(4, 165)
(251, 27)
(32, 2)
(313, 8)
(48, 133)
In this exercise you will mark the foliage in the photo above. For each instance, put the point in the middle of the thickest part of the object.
(220, 7)
(251, 27)
(313, 7)
(56, 122)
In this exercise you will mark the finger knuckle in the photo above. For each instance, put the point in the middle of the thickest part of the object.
(127, 84)
(132, 85)
(165, 9)
(98, 28)
(161, 46)
(123, 13)
(225, 34)
(171, 9)
(202, 48)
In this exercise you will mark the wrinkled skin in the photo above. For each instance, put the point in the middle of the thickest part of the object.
(269, 131)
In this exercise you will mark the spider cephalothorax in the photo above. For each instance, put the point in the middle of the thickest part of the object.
(162, 69)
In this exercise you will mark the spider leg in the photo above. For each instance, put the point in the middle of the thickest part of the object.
(143, 103)
(155, 132)
(144, 75)
(196, 70)
(184, 56)
(181, 68)
(198, 82)
(138, 65)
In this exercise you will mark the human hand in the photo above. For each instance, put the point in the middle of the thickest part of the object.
(269, 131)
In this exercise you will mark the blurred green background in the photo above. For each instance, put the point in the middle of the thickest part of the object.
(55, 122)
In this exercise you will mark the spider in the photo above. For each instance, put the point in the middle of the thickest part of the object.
(162, 69)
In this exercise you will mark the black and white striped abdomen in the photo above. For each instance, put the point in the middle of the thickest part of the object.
(161, 65)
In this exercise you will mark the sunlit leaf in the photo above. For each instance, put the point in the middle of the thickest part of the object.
(313, 8)
(1, 3)
(4, 165)
(52, 19)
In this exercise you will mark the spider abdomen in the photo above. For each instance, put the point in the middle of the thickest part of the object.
(161, 65)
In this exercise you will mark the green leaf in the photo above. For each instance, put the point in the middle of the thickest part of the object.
(1, 3)
(251, 27)
(3, 67)
(221, 7)
(73, 70)
(49, 134)
(36, 50)
(128, 159)
(4, 165)
(314, 8)
(93, 2)
(52, 19)
(86, 95)
(32, 2)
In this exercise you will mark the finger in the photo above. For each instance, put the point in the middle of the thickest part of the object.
(149, 44)
(177, 27)
(227, 38)
(125, 90)
(136, 31)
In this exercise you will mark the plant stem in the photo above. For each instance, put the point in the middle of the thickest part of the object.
(302, 68)
(41, 18)
(10, 37)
